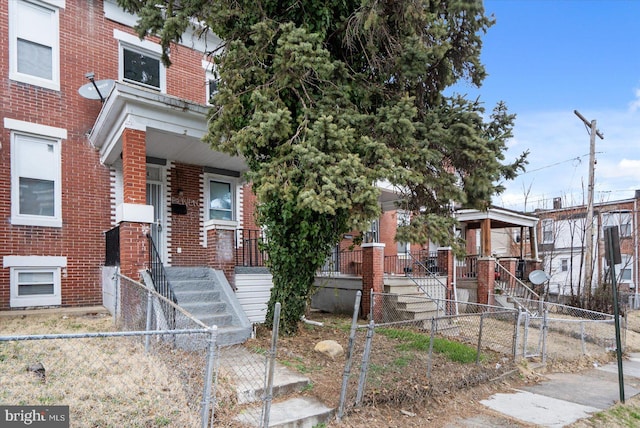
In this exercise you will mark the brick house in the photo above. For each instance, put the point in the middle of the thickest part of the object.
(561, 235)
(74, 167)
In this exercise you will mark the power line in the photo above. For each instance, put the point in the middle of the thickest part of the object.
(577, 158)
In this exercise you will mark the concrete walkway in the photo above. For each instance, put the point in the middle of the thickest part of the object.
(562, 398)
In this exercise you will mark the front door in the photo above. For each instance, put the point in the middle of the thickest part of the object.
(155, 197)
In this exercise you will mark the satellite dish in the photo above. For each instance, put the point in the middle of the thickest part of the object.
(537, 277)
(97, 90)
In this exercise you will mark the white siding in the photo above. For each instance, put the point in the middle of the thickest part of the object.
(253, 292)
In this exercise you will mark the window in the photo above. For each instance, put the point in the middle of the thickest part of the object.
(212, 80)
(622, 219)
(34, 44)
(35, 280)
(221, 200)
(140, 62)
(564, 265)
(403, 220)
(547, 231)
(36, 194)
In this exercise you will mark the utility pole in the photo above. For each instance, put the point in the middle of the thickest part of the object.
(588, 254)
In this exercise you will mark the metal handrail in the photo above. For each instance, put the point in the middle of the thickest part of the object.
(421, 283)
(161, 282)
(522, 295)
(248, 248)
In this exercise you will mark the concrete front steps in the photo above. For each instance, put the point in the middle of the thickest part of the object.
(288, 408)
(207, 295)
(409, 302)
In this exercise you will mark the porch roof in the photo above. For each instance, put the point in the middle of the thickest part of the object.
(174, 128)
(500, 218)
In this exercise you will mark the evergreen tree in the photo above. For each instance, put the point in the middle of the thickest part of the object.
(325, 99)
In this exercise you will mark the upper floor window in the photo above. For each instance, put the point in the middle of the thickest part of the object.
(212, 80)
(36, 195)
(140, 62)
(547, 231)
(34, 42)
(622, 219)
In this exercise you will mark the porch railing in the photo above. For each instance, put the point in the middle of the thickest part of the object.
(415, 263)
(248, 251)
(342, 262)
(467, 267)
(161, 283)
(112, 247)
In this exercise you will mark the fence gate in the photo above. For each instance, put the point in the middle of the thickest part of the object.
(531, 332)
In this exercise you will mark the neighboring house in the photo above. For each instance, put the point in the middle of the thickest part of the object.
(562, 243)
(73, 168)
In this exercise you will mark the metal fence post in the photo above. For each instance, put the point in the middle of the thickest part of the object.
(347, 366)
(479, 338)
(147, 338)
(266, 409)
(545, 328)
(372, 303)
(365, 363)
(431, 338)
(208, 378)
(516, 334)
(525, 334)
(582, 340)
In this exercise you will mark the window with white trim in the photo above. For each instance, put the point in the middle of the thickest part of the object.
(36, 194)
(564, 265)
(35, 280)
(211, 79)
(220, 199)
(34, 42)
(547, 231)
(140, 62)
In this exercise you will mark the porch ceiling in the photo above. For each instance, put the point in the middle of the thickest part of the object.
(174, 128)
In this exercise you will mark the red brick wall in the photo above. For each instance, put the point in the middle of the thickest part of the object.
(185, 228)
(388, 226)
(87, 44)
(220, 250)
(372, 278)
(486, 279)
(249, 208)
(134, 249)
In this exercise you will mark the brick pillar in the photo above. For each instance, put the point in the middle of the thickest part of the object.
(133, 215)
(221, 252)
(486, 279)
(134, 166)
(372, 277)
(510, 264)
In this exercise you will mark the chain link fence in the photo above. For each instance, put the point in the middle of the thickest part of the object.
(152, 365)
(557, 332)
(414, 348)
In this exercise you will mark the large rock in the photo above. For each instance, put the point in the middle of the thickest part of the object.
(330, 348)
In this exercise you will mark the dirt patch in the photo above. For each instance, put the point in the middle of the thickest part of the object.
(398, 393)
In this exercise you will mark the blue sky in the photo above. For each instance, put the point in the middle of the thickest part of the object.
(547, 58)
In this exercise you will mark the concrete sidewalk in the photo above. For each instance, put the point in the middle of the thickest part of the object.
(562, 398)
